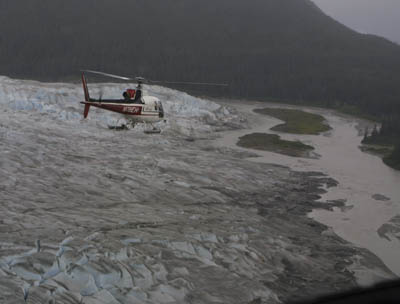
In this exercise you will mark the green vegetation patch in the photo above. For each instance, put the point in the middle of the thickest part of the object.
(393, 160)
(383, 151)
(273, 143)
(296, 121)
(384, 141)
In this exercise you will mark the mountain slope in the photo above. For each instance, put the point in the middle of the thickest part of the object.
(264, 48)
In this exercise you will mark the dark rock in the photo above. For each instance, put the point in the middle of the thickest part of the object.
(380, 197)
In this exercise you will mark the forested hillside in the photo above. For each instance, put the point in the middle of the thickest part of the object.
(285, 49)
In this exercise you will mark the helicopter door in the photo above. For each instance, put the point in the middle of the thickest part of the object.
(160, 110)
(148, 108)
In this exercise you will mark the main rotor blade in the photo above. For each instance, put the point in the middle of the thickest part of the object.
(189, 83)
(143, 80)
(108, 75)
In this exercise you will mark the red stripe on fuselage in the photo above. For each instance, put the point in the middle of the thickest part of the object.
(125, 109)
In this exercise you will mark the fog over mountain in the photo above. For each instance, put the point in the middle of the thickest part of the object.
(366, 16)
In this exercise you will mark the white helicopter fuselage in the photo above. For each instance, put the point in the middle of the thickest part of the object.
(149, 111)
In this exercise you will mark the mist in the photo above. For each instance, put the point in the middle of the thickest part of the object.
(366, 16)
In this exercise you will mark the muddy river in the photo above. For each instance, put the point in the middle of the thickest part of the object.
(370, 189)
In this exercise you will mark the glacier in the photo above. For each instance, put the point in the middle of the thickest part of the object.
(60, 102)
(92, 215)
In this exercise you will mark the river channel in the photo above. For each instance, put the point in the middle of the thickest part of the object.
(360, 175)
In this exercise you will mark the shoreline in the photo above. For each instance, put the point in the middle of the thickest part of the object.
(258, 125)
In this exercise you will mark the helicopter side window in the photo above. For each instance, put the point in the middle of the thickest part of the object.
(126, 96)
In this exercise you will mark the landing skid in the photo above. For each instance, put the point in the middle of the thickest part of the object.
(123, 127)
(153, 130)
(119, 128)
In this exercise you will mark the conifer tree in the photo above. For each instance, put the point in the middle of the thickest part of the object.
(375, 132)
(366, 133)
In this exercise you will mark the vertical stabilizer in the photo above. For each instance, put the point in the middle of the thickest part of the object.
(87, 97)
(85, 88)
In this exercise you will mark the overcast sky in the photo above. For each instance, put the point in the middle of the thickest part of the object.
(380, 17)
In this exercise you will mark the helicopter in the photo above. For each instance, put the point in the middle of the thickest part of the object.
(135, 106)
